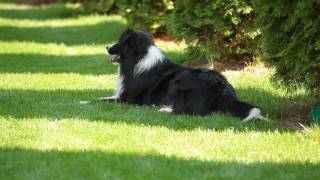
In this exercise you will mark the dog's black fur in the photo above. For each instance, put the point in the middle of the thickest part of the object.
(158, 81)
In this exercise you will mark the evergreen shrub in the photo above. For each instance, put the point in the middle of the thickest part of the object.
(215, 30)
(291, 40)
(146, 15)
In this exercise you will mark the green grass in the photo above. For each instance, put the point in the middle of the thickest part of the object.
(51, 59)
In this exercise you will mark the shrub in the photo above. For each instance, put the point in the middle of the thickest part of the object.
(146, 15)
(100, 6)
(291, 40)
(215, 29)
(38, 2)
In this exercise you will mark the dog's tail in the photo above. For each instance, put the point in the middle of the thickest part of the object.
(245, 111)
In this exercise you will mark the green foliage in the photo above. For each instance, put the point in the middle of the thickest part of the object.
(291, 40)
(146, 15)
(100, 6)
(214, 29)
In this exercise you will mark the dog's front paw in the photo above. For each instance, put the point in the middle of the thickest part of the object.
(84, 102)
(167, 109)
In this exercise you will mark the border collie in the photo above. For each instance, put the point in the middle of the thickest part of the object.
(147, 77)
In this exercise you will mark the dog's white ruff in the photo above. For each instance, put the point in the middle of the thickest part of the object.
(150, 60)
(119, 85)
(255, 113)
(119, 88)
(117, 93)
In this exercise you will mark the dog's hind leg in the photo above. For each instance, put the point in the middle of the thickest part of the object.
(255, 113)
(245, 111)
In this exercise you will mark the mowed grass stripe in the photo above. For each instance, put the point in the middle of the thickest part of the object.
(223, 146)
(75, 21)
(33, 48)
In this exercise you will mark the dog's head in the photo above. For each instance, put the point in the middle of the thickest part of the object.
(131, 44)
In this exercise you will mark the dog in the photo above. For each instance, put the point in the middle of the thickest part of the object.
(147, 77)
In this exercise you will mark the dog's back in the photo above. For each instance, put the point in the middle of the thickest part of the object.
(199, 91)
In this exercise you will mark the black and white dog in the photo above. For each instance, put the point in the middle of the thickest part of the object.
(147, 77)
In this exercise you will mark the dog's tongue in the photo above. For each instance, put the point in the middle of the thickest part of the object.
(115, 58)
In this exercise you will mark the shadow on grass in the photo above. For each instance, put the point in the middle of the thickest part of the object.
(30, 63)
(291, 107)
(60, 104)
(53, 164)
(101, 33)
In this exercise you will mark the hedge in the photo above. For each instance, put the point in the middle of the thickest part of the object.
(97, 6)
(215, 30)
(146, 15)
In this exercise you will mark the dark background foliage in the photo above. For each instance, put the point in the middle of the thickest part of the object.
(291, 40)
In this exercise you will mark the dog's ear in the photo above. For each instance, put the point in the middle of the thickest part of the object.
(132, 39)
(128, 40)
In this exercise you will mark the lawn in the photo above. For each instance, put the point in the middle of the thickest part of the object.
(51, 59)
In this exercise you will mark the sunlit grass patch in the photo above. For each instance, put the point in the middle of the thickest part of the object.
(13, 6)
(223, 146)
(18, 47)
(73, 21)
(52, 81)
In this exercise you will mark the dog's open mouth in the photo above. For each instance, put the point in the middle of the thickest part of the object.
(115, 58)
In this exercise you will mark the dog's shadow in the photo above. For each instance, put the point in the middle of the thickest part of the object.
(61, 104)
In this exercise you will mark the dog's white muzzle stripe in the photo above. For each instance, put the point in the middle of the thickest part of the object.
(111, 45)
